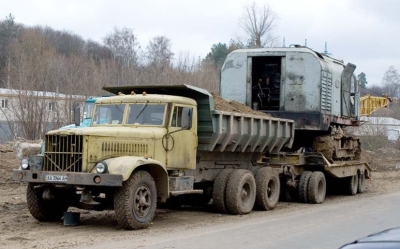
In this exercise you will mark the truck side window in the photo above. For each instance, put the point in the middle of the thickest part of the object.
(177, 117)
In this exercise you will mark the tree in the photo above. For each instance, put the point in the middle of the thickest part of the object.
(125, 46)
(8, 31)
(159, 52)
(362, 80)
(391, 82)
(258, 22)
(218, 54)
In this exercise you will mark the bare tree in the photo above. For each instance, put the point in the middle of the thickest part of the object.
(159, 52)
(258, 22)
(391, 82)
(125, 47)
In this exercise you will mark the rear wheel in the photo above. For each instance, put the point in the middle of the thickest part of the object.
(267, 188)
(317, 188)
(352, 184)
(361, 183)
(303, 186)
(219, 190)
(135, 202)
(47, 210)
(240, 192)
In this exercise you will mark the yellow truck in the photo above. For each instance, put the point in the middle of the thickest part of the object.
(143, 148)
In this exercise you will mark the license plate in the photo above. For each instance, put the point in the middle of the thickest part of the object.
(55, 178)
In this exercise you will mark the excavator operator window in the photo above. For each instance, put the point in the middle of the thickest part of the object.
(266, 82)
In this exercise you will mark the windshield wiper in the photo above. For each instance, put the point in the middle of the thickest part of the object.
(141, 110)
(119, 109)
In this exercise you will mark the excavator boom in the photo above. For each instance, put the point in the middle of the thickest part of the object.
(369, 104)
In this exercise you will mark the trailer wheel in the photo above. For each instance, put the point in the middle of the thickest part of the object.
(46, 210)
(361, 183)
(135, 202)
(303, 186)
(317, 188)
(267, 188)
(219, 190)
(240, 192)
(352, 184)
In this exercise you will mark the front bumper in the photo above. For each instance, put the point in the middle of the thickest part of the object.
(68, 178)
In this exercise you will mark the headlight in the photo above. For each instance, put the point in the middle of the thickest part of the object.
(101, 167)
(24, 163)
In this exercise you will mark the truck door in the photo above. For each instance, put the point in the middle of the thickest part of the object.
(181, 143)
(347, 102)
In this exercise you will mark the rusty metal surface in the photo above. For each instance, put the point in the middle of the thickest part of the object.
(313, 120)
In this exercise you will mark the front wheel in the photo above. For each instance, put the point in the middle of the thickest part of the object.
(46, 210)
(135, 202)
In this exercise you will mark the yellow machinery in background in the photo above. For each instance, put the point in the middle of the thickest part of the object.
(369, 104)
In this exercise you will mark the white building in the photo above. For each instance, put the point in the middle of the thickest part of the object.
(380, 126)
(29, 114)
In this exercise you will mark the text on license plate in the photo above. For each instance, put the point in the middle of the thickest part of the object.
(55, 178)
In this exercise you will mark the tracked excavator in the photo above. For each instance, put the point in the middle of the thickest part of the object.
(320, 93)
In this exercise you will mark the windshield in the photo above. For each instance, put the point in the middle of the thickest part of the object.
(146, 114)
(88, 109)
(109, 114)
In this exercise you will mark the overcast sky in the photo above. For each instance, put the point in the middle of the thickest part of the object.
(364, 32)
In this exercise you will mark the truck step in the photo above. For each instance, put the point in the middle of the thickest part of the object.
(184, 192)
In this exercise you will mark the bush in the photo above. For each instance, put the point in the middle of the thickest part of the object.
(374, 142)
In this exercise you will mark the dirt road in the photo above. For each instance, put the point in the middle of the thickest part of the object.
(20, 230)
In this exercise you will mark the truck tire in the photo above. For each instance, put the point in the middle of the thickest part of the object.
(303, 186)
(240, 192)
(45, 210)
(316, 188)
(361, 183)
(267, 188)
(135, 202)
(352, 184)
(219, 190)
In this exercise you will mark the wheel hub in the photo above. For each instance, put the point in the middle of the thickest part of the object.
(142, 201)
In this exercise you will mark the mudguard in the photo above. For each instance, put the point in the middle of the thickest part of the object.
(125, 165)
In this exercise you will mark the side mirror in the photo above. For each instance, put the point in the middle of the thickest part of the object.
(187, 118)
(77, 114)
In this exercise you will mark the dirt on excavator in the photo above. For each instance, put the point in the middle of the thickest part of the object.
(233, 106)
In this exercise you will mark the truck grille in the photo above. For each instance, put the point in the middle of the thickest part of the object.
(63, 153)
(121, 148)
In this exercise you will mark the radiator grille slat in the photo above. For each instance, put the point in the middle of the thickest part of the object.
(63, 153)
(124, 148)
